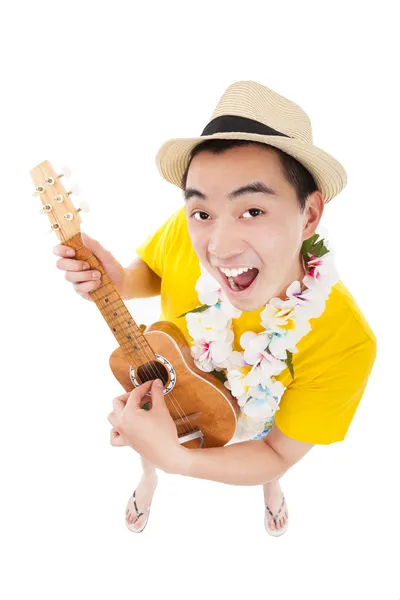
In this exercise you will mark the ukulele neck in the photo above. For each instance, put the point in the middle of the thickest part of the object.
(127, 333)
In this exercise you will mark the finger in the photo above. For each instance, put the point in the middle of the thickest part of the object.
(157, 395)
(72, 264)
(81, 276)
(86, 286)
(118, 407)
(63, 250)
(119, 402)
(137, 394)
(113, 419)
(116, 439)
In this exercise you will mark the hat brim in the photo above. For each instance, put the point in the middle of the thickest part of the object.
(330, 176)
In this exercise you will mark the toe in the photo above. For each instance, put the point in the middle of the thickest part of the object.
(138, 523)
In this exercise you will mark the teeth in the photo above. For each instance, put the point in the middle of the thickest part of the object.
(234, 272)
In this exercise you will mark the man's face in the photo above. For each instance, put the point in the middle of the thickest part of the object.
(254, 229)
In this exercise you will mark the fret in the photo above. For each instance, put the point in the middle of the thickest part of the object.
(136, 343)
(112, 291)
(119, 322)
(108, 307)
(108, 304)
(115, 315)
(138, 347)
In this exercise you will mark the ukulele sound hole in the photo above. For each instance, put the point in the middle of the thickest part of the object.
(152, 370)
(160, 368)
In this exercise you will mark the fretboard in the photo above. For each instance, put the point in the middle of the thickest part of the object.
(127, 333)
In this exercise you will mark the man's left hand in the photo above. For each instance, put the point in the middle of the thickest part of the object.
(152, 433)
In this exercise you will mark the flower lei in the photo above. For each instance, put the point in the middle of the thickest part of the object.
(249, 375)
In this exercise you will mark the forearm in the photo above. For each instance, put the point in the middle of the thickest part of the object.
(246, 463)
(140, 281)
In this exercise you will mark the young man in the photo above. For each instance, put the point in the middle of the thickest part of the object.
(255, 188)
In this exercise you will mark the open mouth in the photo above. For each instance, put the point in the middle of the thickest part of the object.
(242, 283)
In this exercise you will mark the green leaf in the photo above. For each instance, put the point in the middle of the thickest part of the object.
(289, 359)
(195, 310)
(312, 247)
(220, 375)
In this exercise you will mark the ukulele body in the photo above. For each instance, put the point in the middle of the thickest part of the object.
(204, 410)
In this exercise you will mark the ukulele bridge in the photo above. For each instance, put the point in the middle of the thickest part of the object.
(192, 436)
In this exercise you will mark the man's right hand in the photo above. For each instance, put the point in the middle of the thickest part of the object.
(80, 273)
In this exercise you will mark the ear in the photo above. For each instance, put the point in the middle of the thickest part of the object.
(312, 214)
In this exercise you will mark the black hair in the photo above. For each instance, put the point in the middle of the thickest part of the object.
(295, 173)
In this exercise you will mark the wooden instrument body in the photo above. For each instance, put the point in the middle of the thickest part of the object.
(200, 397)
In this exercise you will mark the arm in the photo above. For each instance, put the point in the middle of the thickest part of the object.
(253, 462)
(141, 281)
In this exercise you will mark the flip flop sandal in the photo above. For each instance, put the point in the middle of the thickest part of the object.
(281, 530)
(131, 526)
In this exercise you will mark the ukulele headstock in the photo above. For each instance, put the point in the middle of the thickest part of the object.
(56, 201)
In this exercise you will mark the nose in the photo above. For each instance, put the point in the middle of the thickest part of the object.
(223, 243)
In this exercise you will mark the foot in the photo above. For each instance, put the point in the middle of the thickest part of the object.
(273, 499)
(143, 496)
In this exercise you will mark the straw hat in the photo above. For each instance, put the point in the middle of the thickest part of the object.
(250, 111)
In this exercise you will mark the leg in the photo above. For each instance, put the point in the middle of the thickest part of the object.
(143, 494)
(148, 468)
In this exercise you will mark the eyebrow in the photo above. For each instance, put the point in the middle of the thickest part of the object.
(251, 188)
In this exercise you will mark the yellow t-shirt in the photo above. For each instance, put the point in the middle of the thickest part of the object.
(334, 359)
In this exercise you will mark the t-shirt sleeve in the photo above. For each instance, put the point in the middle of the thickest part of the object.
(320, 411)
(154, 249)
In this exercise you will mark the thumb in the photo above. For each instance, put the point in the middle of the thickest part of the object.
(111, 266)
(157, 395)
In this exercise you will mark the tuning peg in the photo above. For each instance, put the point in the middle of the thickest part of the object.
(39, 190)
(46, 208)
(74, 190)
(53, 228)
(83, 206)
(65, 172)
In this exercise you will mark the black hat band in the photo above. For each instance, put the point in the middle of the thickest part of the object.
(234, 123)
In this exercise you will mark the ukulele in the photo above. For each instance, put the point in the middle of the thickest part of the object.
(203, 409)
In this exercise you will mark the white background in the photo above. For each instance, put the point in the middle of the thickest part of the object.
(100, 86)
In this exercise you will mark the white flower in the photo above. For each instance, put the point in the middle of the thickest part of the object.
(198, 330)
(279, 344)
(247, 428)
(206, 352)
(278, 317)
(265, 362)
(219, 315)
(208, 289)
(238, 386)
(255, 345)
(258, 409)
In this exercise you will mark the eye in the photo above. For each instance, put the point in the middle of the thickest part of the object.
(199, 212)
(257, 209)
